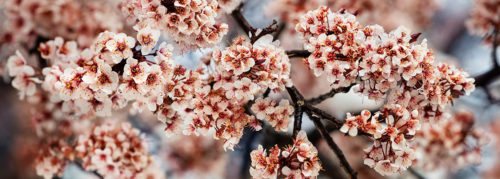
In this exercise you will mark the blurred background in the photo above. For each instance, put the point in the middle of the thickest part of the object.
(202, 157)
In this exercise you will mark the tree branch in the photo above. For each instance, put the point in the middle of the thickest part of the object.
(324, 115)
(298, 53)
(494, 46)
(298, 102)
(343, 161)
(484, 79)
(255, 34)
(330, 94)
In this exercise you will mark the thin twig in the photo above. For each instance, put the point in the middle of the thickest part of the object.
(281, 29)
(266, 93)
(345, 164)
(494, 50)
(486, 78)
(255, 34)
(324, 115)
(328, 95)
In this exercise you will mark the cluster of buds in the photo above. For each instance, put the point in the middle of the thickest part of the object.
(278, 116)
(188, 22)
(299, 160)
(75, 20)
(248, 69)
(386, 66)
(114, 150)
(484, 18)
(453, 140)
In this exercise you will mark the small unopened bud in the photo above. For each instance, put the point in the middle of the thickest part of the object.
(414, 37)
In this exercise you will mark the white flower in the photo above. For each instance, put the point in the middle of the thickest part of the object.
(107, 79)
(148, 38)
(71, 85)
(129, 89)
(121, 46)
(135, 70)
(25, 81)
(154, 81)
(385, 167)
(15, 64)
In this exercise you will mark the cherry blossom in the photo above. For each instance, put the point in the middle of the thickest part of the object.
(299, 160)
(114, 150)
(455, 141)
(278, 116)
(77, 79)
(121, 46)
(484, 18)
(190, 23)
(385, 65)
(148, 38)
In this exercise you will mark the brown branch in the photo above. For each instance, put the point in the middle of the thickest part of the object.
(298, 102)
(298, 53)
(343, 161)
(486, 78)
(330, 94)
(494, 46)
(324, 115)
(281, 29)
(254, 32)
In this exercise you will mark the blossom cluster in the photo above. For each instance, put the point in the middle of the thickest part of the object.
(386, 66)
(248, 69)
(484, 18)
(387, 13)
(278, 116)
(299, 160)
(453, 140)
(190, 23)
(194, 156)
(113, 72)
(52, 158)
(113, 150)
(25, 79)
(391, 151)
(74, 20)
